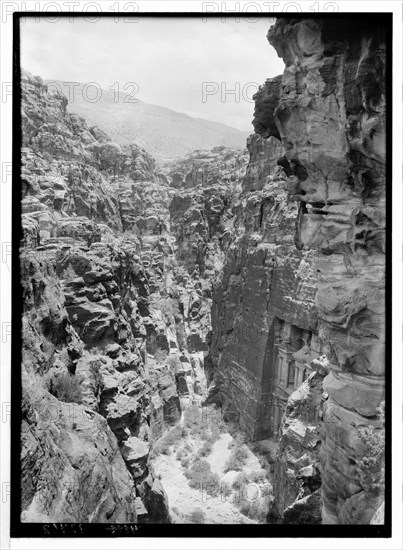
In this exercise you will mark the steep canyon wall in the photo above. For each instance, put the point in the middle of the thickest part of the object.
(316, 172)
(331, 117)
(117, 259)
(266, 273)
(266, 283)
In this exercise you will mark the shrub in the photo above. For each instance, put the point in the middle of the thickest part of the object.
(197, 516)
(192, 417)
(266, 463)
(237, 459)
(232, 427)
(185, 433)
(205, 422)
(68, 274)
(185, 462)
(226, 490)
(256, 510)
(204, 433)
(164, 444)
(215, 419)
(264, 455)
(173, 436)
(253, 495)
(201, 477)
(66, 388)
(179, 455)
(161, 447)
(216, 431)
(206, 448)
(237, 441)
(240, 480)
(371, 470)
(257, 478)
(160, 355)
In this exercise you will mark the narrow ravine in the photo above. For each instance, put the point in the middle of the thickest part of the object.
(203, 336)
(209, 474)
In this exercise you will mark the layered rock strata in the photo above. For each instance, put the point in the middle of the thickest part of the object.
(331, 119)
(122, 262)
(88, 326)
(115, 316)
(265, 283)
(297, 479)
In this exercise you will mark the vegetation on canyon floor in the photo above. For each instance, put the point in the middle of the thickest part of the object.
(66, 387)
(191, 449)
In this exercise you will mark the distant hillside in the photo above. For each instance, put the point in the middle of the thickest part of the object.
(164, 133)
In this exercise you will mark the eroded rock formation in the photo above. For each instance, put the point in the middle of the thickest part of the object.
(316, 171)
(117, 261)
(331, 116)
(88, 323)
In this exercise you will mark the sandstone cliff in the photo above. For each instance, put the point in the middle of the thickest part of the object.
(266, 274)
(116, 265)
(316, 171)
(88, 323)
(331, 116)
(266, 284)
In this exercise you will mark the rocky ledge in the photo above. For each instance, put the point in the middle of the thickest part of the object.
(117, 261)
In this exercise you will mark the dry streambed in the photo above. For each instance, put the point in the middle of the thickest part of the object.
(210, 474)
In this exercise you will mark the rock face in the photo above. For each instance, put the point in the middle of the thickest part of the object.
(266, 274)
(72, 470)
(316, 171)
(297, 480)
(88, 322)
(87, 319)
(261, 289)
(331, 115)
(116, 309)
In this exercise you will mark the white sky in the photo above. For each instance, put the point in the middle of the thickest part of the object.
(168, 58)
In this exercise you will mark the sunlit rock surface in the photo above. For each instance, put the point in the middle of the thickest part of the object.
(116, 308)
(304, 272)
(331, 118)
(259, 288)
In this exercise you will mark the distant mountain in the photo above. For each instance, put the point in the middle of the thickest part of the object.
(164, 133)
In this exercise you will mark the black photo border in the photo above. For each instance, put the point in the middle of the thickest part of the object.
(101, 530)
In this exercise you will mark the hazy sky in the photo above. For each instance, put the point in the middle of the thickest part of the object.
(169, 59)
